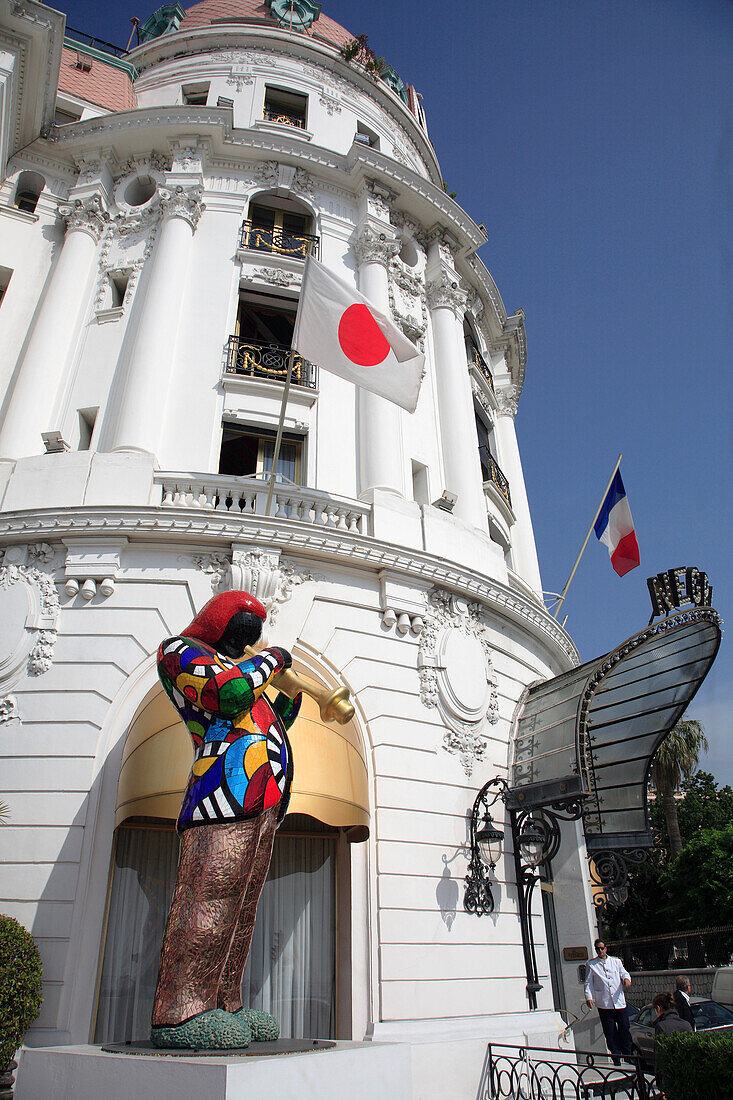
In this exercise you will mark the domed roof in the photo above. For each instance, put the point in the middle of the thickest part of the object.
(218, 12)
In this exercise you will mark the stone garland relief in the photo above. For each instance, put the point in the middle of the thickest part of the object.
(407, 301)
(457, 675)
(29, 609)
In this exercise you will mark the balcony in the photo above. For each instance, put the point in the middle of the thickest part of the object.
(254, 359)
(278, 241)
(247, 497)
(277, 114)
(476, 359)
(493, 475)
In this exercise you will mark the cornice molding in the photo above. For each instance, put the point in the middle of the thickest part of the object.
(196, 527)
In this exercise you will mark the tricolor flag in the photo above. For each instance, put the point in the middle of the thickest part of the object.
(615, 528)
(343, 332)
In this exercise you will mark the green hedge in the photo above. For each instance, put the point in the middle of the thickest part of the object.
(20, 986)
(696, 1064)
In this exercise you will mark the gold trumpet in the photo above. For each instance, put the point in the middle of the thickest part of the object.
(334, 705)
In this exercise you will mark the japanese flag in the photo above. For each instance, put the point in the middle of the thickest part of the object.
(342, 332)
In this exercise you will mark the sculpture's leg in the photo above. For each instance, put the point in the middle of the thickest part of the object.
(214, 868)
(264, 1026)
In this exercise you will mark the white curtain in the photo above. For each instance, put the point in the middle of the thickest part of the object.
(291, 967)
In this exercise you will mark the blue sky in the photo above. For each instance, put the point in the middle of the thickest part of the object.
(595, 142)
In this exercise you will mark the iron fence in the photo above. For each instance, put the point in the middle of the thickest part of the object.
(277, 114)
(476, 359)
(297, 245)
(268, 361)
(698, 948)
(545, 1073)
(493, 472)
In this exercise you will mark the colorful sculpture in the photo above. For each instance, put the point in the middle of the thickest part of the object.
(237, 795)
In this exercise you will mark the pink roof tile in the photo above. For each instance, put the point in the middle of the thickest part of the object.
(254, 11)
(104, 85)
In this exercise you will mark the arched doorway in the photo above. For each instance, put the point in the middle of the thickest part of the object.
(293, 966)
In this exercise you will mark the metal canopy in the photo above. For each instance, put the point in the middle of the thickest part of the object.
(591, 733)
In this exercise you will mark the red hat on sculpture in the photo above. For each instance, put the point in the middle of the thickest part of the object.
(214, 617)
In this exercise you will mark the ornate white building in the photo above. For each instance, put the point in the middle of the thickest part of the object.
(155, 212)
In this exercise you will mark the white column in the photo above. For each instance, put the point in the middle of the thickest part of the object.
(150, 372)
(378, 421)
(458, 438)
(524, 551)
(45, 363)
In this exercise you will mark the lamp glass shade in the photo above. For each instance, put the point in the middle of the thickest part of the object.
(532, 843)
(489, 840)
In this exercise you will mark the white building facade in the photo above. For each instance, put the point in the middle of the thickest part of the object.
(152, 244)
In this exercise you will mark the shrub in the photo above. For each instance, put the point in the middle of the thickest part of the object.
(696, 1064)
(20, 986)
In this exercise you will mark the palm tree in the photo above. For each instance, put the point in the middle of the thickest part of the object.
(676, 759)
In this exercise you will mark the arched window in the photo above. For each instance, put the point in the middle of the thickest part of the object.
(283, 226)
(28, 191)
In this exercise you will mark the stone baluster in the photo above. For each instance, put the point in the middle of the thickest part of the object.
(459, 443)
(150, 373)
(45, 364)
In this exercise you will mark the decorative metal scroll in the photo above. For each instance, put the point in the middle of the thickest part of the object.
(609, 875)
(545, 1073)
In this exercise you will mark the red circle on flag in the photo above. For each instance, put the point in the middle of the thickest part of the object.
(361, 339)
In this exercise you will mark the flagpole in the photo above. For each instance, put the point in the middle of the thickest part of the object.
(279, 436)
(564, 592)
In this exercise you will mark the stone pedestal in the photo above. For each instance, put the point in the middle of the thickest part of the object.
(359, 1071)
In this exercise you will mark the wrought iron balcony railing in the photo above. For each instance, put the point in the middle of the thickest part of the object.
(297, 245)
(494, 474)
(268, 361)
(513, 1071)
(277, 114)
(476, 359)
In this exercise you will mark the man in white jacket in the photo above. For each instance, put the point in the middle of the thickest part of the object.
(605, 981)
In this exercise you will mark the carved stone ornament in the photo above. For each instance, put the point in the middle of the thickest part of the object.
(379, 199)
(9, 709)
(29, 609)
(155, 162)
(182, 202)
(482, 399)
(407, 301)
(372, 247)
(446, 291)
(87, 215)
(302, 182)
(262, 572)
(507, 401)
(457, 676)
(240, 77)
(266, 171)
(413, 228)
(274, 275)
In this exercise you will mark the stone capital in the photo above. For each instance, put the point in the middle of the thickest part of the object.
(446, 292)
(181, 202)
(374, 246)
(87, 215)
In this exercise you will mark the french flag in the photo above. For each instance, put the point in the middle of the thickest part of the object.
(615, 528)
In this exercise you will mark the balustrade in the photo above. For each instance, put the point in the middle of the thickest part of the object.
(247, 496)
(255, 359)
(494, 474)
(476, 359)
(277, 240)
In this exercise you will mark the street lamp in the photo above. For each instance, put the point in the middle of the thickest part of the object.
(486, 845)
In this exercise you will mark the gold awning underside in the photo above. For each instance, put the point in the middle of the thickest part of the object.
(330, 775)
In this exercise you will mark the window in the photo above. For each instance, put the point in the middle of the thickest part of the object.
(87, 420)
(365, 136)
(491, 471)
(285, 107)
(28, 191)
(260, 347)
(291, 969)
(223, 101)
(5, 275)
(195, 95)
(118, 281)
(64, 115)
(140, 190)
(420, 485)
(281, 230)
(83, 62)
(246, 452)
